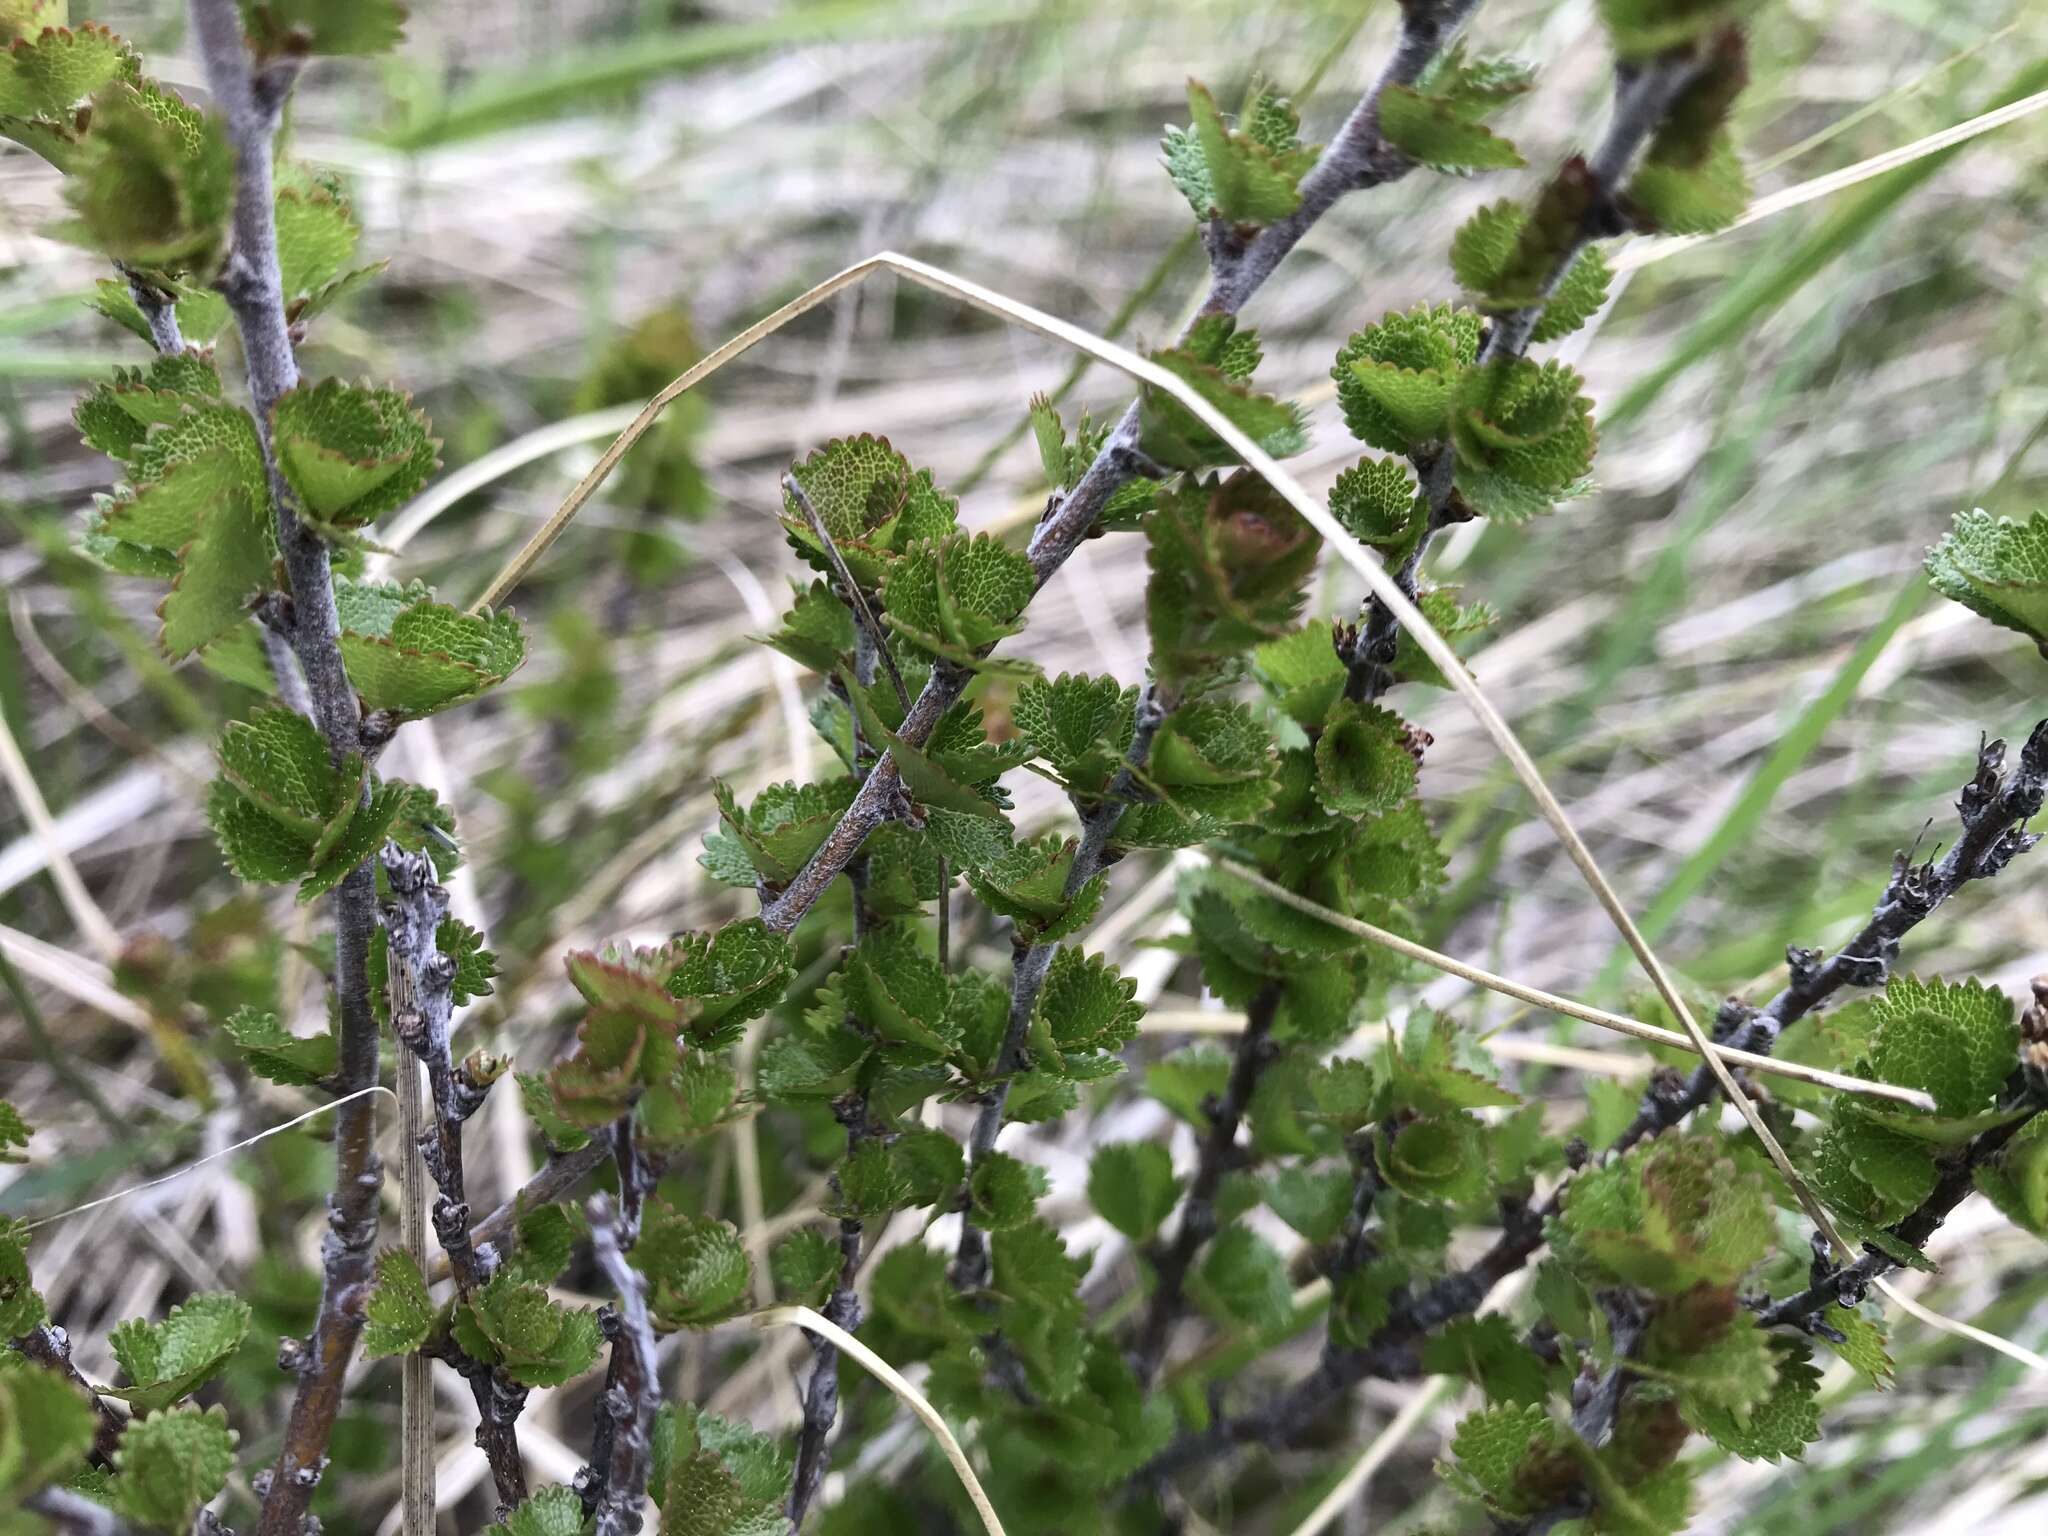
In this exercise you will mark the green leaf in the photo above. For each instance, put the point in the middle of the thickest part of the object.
(1781, 1425)
(1184, 1081)
(115, 417)
(46, 1430)
(1243, 1280)
(1672, 1214)
(1363, 765)
(727, 978)
(536, 1097)
(554, 1511)
(51, 69)
(1475, 87)
(198, 491)
(1424, 1069)
(278, 761)
(1491, 259)
(274, 1052)
(1313, 1201)
(2017, 1181)
(356, 840)
(329, 27)
(1394, 378)
(352, 453)
(1996, 568)
(1081, 726)
(399, 1315)
(1898, 1168)
(151, 182)
(697, 1268)
(1441, 136)
(1132, 1186)
(1375, 500)
(474, 965)
(1507, 1457)
(784, 826)
(957, 596)
(515, 1325)
(1958, 1042)
(1229, 565)
(14, 1133)
(202, 313)
(21, 1304)
(1302, 672)
(1086, 1007)
(544, 1241)
(869, 1182)
(1524, 436)
(1170, 434)
(872, 503)
(171, 1464)
(1640, 27)
(713, 1477)
(1232, 174)
(1488, 1352)
(316, 240)
(1440, 606)
(1708, 1346)
(1028, 886)
(809, 1066)
(1004, 1192)
(1862, 1343)
(806, 1266)
(1696, 199)
(1435, 1158)
(169, 1360)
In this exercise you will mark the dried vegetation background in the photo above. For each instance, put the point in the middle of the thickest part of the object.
(1720, 657)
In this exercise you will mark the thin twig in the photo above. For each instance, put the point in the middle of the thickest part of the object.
(1171, 1263)
(849, 589)
(251, 104)
(1033, 962)
(842, 1308)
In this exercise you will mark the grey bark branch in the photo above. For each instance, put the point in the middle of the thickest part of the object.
(159, 312)
(1994, 808)
(632, 1394)
(422, 1015)
(1356, 157)
(251, 105)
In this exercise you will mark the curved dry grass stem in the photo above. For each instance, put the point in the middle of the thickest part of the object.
(184, 1168)
(1962, 1330)
(890, 1377)
(1642, 252)
(1570, 1007)
(92, 921)
(1313, 512)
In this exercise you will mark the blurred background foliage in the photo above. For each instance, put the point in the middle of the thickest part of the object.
(1725, 658)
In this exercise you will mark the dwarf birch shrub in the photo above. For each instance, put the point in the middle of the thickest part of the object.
(1613, 1291)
